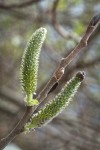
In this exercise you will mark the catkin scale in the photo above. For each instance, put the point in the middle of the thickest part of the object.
(29, 65)
(54, 107)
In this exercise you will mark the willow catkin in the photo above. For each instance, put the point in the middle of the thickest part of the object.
(29, 65)
(54, 107)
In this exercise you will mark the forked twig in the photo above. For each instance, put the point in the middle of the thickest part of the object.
(58, 27)
(55, 78)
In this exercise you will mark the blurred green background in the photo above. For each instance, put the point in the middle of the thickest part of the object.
(78, 126)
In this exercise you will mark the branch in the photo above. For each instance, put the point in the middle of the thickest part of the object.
(82, 65)
(21, 5)
(15, 13)
(10, 9)
(55, 78)
(64, 33)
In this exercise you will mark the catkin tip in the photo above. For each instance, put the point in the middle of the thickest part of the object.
(30, 61)
(44, 30)
(81, 75)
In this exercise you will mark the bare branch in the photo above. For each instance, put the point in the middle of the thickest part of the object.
(89, 64)
(64, 33)
(21, 5)
(55, 78)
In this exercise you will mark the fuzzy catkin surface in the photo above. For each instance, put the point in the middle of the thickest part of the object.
(29, 65)
(55, 106)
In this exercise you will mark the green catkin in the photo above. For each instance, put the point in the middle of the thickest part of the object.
(54, 107)
(29, 65)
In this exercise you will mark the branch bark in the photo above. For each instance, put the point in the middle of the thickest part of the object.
(55, 78)
(21, 5)
(88, 64)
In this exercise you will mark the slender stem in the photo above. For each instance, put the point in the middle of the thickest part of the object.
(18, 129)
(56, 77)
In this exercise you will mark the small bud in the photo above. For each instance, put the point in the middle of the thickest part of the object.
(60, 73)
(95, 20)
(80, 75)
